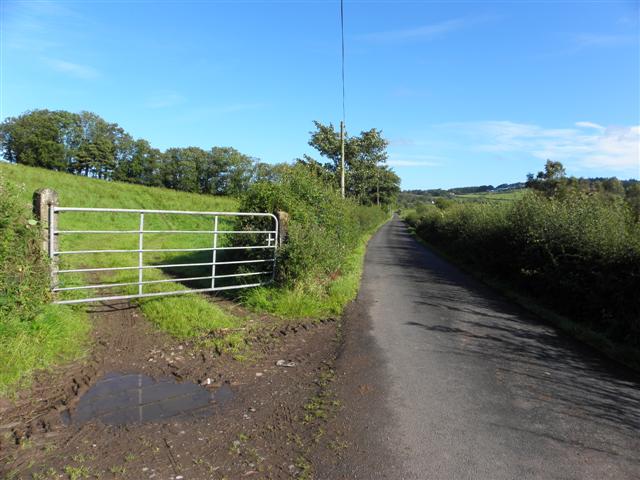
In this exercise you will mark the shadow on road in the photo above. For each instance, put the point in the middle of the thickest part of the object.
(565, 375)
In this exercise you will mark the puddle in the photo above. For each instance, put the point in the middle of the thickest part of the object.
(120, 399)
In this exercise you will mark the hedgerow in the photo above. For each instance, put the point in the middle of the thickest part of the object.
(324, 229)
(579, 254)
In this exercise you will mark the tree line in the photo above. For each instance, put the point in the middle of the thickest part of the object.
(86, 144)
(553, 182)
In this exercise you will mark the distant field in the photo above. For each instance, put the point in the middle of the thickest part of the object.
(491, 196)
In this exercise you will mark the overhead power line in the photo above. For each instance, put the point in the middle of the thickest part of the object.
(342, 122)
(342, 35)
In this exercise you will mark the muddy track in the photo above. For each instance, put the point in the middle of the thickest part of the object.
(260, 433)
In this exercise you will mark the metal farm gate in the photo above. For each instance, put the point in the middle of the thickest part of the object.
(263, 272)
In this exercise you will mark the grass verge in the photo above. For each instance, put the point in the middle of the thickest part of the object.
(313, 300)
(56, 334)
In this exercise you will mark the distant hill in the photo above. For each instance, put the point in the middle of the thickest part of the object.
(409, 198)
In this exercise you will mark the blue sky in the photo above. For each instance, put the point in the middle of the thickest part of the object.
(467, 92)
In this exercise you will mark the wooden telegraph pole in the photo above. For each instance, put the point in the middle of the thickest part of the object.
(342, 158)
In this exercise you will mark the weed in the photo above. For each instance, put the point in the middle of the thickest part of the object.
(338, 445)
(304, 467)
(76, 473)
(118, 470)
(50, 447)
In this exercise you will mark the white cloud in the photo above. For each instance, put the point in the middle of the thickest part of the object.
(585, 40)
(590, 125)
(424, 32)
(165, 99)
(74, 69)
(39, 26)
(592, 146)
(411, 163)
(413, 160)
(204, 113)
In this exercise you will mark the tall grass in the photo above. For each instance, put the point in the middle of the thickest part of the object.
(580, 255)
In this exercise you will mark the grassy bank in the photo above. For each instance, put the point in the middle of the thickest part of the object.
(313, 300)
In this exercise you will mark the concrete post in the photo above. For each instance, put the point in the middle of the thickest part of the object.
(43, 201)
(283, 226)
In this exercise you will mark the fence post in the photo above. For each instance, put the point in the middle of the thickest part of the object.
(283, 226)
(43, 202)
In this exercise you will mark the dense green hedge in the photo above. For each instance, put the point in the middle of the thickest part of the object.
(579, 254)
(323, 228)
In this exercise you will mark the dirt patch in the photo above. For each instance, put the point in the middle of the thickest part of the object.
(255, 434)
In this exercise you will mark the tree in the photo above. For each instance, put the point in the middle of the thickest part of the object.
(552, 171)
(612, 186)
(37, 138)
(325, 172)
(140, 166)
(551, 182)
(632, 197)
(237, 170)
(365, 156)
(181, 168)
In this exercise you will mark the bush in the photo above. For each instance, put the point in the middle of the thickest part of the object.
(24, 268)
(323, 227)
(579, 254)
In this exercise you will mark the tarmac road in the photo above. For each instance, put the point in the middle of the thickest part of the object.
(441, 378)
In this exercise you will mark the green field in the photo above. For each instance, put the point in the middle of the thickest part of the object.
(491, 196)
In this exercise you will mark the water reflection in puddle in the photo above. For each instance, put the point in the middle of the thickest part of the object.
(119, 399)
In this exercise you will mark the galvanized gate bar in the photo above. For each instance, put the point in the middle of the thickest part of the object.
(140, 253)
(174, 265)
(76, 252)
(60, 232)
(272, 242)
(158, 294)
(165, 280)
(172, 212)
(215, 252)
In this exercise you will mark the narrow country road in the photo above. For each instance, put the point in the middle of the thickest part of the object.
(443, 379)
